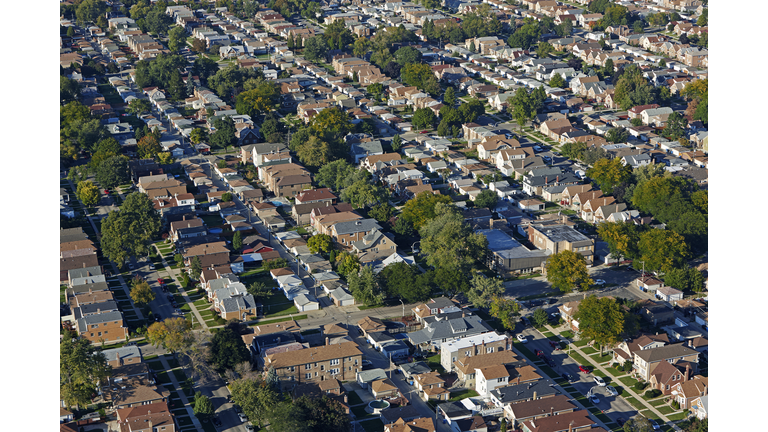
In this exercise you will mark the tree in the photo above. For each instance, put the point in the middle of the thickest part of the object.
(237, 241)
(504, 310)
(113, 172)
(199, 46)
(224, 136)
(149, 147)
(142, 294)
(203, 408)
(600, 319)
(449, 98)
(259, 290)
(71, 31)
(81, 371)
(522, 107)
(450, 243)
(617, 135)
(424, 118)
(662, 249)
(361, 46)
(703, 18)
(331, 123)
(375, 89)
(320, 243)
(403, 227)
(256, 397)
(557, 81)
(539, 317)
(407, 55)
(263, 98)
(632, 88)
(638, 423)
(483, 290)
(419, 210)
(364, 286)
(315, 48)
(173, 334)
(69, 89)
(621, 237)
(275, 263)
(685, 279)
(420, 75)
(381, 212)
(226, 196)
(486, 199)
(227, 350)
(315, 414)
(403, 281)
(471, 110)
(130, 230)
(195, 267)
(567, 270)
(88, 193)
(544, 49)
(177, 38)
(675, 127)
(88, 11)
(364, 194)
(347, 264)
(332, 175)
(397, 143)
(526, 35)
(608, 173)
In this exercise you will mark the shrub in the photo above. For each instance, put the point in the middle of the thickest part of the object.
(639, 386)
(653, 393)
(675, 405)
(620, 367)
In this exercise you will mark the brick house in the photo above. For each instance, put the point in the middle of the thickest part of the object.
(345, 233)
(556, 238)
(646, 361)
(340, 361)
(106, 327)
(146, 418)
(691, 389)
(480, 345)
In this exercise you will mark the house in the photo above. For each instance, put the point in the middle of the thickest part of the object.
(345, 233)
(646, 361)
(666, 375)
(669, 294)
(648, 283)
(362, 150)
(489, 378)
(383, 388)
(567, 312)
(435, 332)
(486, 343)
(421, 424)
(570, 421)
(686, 391)
(625, 350)
(407, 413)
(433, 307)
(539, 408)
(102, 327)
(699, 406)
(136, 392)
(516, 393)
(430, 386)
(555, 238)
(365, 378)
(323, 195)
(341, 361)
(656, 313)
(151, 417)
(369, 325)
(126, 355)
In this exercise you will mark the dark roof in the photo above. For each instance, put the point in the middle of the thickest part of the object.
(521, 392)
(453, 410)
(408, 412)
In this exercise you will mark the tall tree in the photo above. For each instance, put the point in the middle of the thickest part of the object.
(256, 397)
(237, 241)
(315, 48)
(364, 194)
(81, 370)
(608, 173)
(403, 281)
(487, 199)
(227, 350)
(449, 98)
(177, 38)
(600, 319)
(424, 118)
(364, 286)
(419, 210)
(173, 334)
(320, 243)
(483, 290)
(621, 237)
(203, 408)
(149, 147)
(662, 249)
(129, 231)
(449, 242)
(347, 264)
(142, 294)
(113, 172)
(567, 270)
(331, 123)
(504, 310)
(224, 136)
(632, 88)
(397, 142)
(88, 193)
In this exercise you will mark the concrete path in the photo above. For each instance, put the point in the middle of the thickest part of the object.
(175, 275)
(182, 396)
(605, 371)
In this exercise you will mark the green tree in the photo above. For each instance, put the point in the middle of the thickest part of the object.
(662, 249)
(544, 49)
(617, 135)
(88, 193)
(608, 173)
(142, 294)
(88, 11)
(638, 423)
(557, 81)
(504, 310)
(315, 414)
(636, 122)
(81, 370)
(331, 123)
(449, 98)
(259, 290)
(256, 397)
(403, 281)
(173, 334)
(69, 89)
(421, 209)
(347, 264)
(139, 106)
(407, 55)
(113, 172)
(483, 290)
(195, 267)
(333, 174)
(567, 270)
(224, 136)
(226, 196)
(315, 152)
(487, 199)
(315, 48)
(600, 319)
(403, 227)
(424, 118)
(621, 237)
(177, 38)
(471, 110)
(522, 107)
(275, 263)
(397, 142)
(364, 194)
(227, 350)
(364, 286)
(361, 47)
(148, 147)
(421, 76)
(320, 243)
(381, 212)
(525, 36)
(632, 88)
(449, 242)
(539, 317)
(237, 241)
(105, 149)
(71, 31)
(703, 19)
(202, 406)
(129, 231)
(676, 125)
(263, 98)
(376, 89)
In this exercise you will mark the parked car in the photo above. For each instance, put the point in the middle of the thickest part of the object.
(249, 427)
(554, 345)
(594, 399)
(521, 338)
(620, 421)
(549, 361)
(242, 417)
(568, 377)
(612, 391)
(538, 352)
(552, 300)
(599, 282)
(584, 369)
(599, 381)
(654, 424)
(151, 266)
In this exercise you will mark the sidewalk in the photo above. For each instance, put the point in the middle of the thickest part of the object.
(182, 396)
(175, 275)
(626, 388)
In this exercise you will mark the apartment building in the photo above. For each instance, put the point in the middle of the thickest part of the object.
(321, 363)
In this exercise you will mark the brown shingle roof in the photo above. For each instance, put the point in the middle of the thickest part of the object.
(554, 404)
(311, 355)
(494, 371)
(469, 364)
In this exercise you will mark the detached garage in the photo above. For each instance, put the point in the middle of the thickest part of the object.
(306, 302)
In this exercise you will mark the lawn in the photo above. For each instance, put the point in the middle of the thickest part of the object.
(615, 372)
(295, 318)
(462, 394)
(280, 307)
(180, 376)
(628, 382)
(587, 350)
(658, 402)
(602, 358)
(525, 351)
(579, 359)
(373, 425)
(354, 399)
(163, 378)
(666, 410)
(676, 417)
(581, 343)
(567, 334)
(649, 414)
(434, 363)
(635, 403)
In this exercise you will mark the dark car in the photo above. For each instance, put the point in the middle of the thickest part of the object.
(549, 361)
(525, 321)
(538, 352)
(567, 377)
(552, 300)
(216, 421)
(620, 421)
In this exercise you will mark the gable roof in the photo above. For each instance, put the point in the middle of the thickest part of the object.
(666, 352)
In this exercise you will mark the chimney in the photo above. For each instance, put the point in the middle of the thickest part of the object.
(551, 410)
(518, 380)
(327, 341)
(557, 180)
(546, 180)
(687, 372)
(570, 426)
(534, 395)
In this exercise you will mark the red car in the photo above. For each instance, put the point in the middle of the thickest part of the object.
(554, 345)
(160, 281)
(584, 369)
(538, 352)
(106, 191)
(423, 132)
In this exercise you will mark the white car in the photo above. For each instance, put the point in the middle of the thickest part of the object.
(612, 391)
(599, 282)
(521, 338)
(243, 418)
(599, 381)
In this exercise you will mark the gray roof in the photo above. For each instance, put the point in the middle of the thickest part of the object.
(371, 375)
(559, 233)
(666, 352)
(88, 280)
(87, 287)
(367, 148)
(91, 308)
(362, 225)
(408, 412)
(381, 337)
(454, 328)
(341, 294)
(237, 303)
(454, 410)
(99, 318)
(125, 352)
(84, 272)
(415, 368)
(368, 240)
(524, 391)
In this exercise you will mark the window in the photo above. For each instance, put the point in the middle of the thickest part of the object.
(99, 333)
(489, 350)
(454, 359)
(334, 371)
(292, 378)
(334, 362)
(466, 353)
(308, 376)
(322, 367)
(293, 369)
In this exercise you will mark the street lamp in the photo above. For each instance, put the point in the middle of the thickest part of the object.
(413, 248)
(401, 302)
